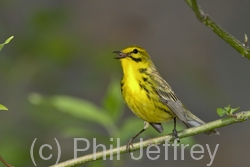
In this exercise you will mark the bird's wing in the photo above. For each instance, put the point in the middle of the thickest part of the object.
(168, 97)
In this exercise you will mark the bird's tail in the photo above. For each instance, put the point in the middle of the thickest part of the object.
(193, 120)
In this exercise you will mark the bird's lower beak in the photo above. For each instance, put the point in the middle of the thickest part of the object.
(121, 55)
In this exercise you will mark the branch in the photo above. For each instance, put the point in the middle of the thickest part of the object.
(4, 162)
(239, 117)
(231, 40)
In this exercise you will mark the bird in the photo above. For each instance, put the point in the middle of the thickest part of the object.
(149, 96)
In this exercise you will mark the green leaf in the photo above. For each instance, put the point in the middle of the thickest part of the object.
(6, 42)
(113, 102)
(233, 110)
(227, 110)
(83, 109)
(2, 107)
(221, 111)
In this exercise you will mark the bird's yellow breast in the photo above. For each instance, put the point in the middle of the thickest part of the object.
(138, 93)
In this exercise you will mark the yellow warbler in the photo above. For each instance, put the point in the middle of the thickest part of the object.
(148, 95)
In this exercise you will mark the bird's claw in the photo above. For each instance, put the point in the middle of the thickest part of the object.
(130, 143)
(175, 135)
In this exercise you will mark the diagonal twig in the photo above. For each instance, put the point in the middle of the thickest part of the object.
(209, 22)
(239, 117)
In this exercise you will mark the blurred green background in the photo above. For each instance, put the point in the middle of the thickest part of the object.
(59, 80)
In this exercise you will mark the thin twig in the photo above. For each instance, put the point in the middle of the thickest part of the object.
(4, 162)
(231, 40)
(240, 117)
(196, 9)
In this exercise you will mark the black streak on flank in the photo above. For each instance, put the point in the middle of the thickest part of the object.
(163, 109)
(150, 83)
(137, 60)
(144, 87)
(142, 70)
(122, 83)
(148, 96)
(145, 79)
(146, 90)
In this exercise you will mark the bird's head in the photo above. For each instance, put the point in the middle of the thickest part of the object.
(134, 56)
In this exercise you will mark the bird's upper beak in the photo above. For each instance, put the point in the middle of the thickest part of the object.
(121, 54)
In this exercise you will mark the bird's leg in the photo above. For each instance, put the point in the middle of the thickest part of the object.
(130, 143)
(175, 133)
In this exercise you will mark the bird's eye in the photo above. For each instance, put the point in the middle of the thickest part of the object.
(135, 51)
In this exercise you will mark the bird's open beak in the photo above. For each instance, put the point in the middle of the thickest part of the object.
(121, 55)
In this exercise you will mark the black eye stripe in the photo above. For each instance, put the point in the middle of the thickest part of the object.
(137, 60)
